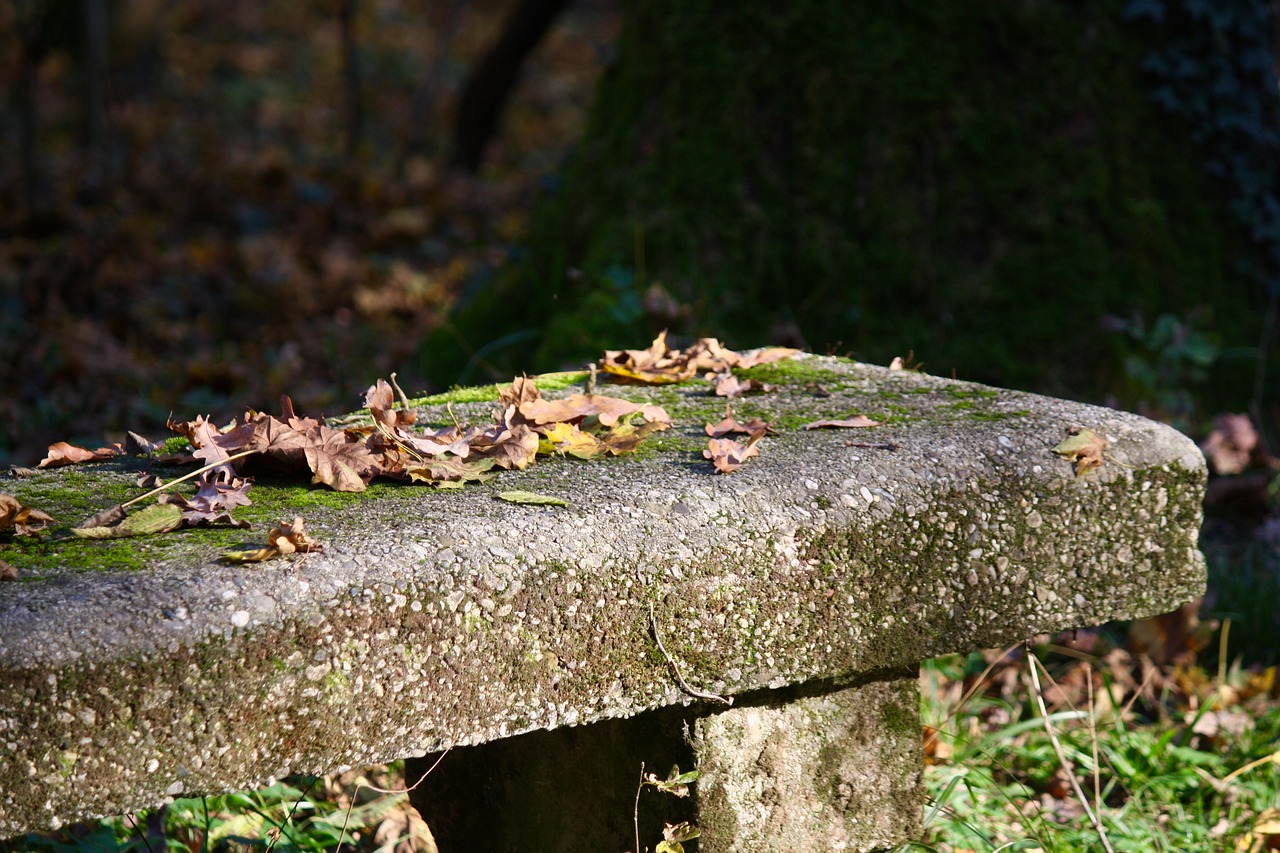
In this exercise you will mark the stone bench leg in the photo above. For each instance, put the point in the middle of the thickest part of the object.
(834, 771)
(781, 771)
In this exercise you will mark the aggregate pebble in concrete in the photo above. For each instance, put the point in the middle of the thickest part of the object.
(439, 619)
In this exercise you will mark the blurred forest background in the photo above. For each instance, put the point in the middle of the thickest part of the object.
(206, 204)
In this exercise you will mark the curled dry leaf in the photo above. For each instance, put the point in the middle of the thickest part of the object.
(851, 422)
(380, 400)
(657, 365)
(140, 445)
(287, 538)
(1083, 448)
(728, 455)
(61, 453)
(1233, 446)
(728, 385)
(290, 537)
(729, 425)
(17, 519)
(7, 572)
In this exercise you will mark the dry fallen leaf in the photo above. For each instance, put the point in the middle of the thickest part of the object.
(1083, 448)
(212, 503)
(729, 425)
(728, 455)
(287, 538)
(157, 518)
(727, 385)
(290, 537)
(850, 422)
(337, 461)
(7, 572)
(657, 365)
(530, 498)
(19, 520)
(61, 453)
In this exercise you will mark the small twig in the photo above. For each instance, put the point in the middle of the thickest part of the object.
(204, 839)
(636, 816)
(887, 445)
(1273, 758)
(1093, 741)
(289, 816)
(404, 401)
(692, 691)
(138, 829)
(1032, 663)
(347, 817)
(195, 473)
(591, 389)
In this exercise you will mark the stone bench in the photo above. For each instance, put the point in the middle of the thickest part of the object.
(550, 651)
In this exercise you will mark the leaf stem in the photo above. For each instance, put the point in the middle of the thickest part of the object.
(196, 473)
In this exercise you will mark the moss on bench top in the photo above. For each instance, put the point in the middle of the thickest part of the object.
(138, 669)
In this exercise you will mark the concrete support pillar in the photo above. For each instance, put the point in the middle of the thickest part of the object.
(781, 771)
(835, 771)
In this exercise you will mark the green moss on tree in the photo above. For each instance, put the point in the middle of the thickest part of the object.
(979, 183)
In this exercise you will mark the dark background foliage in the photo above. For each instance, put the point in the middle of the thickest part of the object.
(204, 205)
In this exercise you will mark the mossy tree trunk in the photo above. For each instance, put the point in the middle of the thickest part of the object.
(979, 183)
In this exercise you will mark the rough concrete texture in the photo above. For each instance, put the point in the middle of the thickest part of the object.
(437, 619)
(837, 771)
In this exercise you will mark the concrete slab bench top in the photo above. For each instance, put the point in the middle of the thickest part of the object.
(133, 671)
